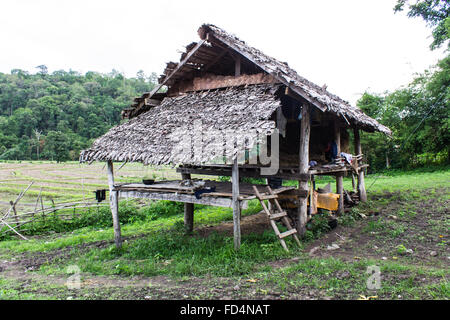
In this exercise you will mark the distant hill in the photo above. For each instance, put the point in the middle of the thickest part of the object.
(54, 116)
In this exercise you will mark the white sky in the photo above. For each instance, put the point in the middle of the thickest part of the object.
(351, 45)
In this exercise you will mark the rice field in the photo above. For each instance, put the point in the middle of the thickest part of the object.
(69, 181)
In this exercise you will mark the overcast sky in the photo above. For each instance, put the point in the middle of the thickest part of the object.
(351, 45)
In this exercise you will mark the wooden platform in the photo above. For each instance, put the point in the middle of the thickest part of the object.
(287, 173)
(174, 191)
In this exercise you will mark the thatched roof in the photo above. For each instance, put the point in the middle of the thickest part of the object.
(218, 40)
(317, 95)
(156, 137)
(160, 122)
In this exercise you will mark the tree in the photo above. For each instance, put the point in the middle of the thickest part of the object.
(81, 107)
(37, 134)
(56, 146)
(418, 115)
(436, 15)
(43, 70)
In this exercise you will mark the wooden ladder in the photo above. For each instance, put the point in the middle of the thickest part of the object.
(275, 213)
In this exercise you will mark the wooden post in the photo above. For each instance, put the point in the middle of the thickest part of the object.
(114, 204)
(340, 191)
(360, 184)
(236, 205)
(339, 175)
(237, 66)
(13, 205)
(353, 182)
(188, 210)
(305, 130)
(337, 137)
(235, 180)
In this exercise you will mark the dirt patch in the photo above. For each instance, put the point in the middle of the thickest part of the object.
(256, 223)
(421, 229)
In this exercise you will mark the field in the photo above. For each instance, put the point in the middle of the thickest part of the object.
(402, 232)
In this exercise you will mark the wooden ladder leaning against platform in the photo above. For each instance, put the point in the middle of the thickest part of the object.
(275, 213)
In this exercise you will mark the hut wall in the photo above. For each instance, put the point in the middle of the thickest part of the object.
(322, 133)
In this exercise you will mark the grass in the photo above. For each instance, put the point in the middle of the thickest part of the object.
(335, 277)
(157, 246)
(171, 253)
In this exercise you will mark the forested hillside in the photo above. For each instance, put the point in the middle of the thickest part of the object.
(54, 116)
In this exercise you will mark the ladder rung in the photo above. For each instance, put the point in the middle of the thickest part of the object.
(287, 233)
(270, 196)
(278, 215)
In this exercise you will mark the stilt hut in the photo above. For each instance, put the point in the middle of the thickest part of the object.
(230, 110)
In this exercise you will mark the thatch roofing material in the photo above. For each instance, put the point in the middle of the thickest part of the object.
(317, 95)
(291, 78)
(157, 136)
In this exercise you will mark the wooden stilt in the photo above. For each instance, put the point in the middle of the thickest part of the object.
(340, 191)
(339, 176)
(236, 205)
(235, 180)
(13, 206)
(114, 204)
(188, 210)
(302, 214)
(360, 184)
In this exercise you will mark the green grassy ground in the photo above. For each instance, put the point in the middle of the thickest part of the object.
(158, 261)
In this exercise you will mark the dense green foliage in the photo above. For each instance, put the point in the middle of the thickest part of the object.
(419, 114)
(54, 116)
(435, 13)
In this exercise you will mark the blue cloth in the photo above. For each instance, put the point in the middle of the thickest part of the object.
(312, 163)
(333, 151)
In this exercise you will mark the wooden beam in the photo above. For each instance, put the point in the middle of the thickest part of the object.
(114, 204)
(179, 65)
(210, 81)
(294, 93)
(152, 102)
(188, 210)
(178, 197)
(248, 56)
(305, 130)
(245, 172)
(360, 183)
